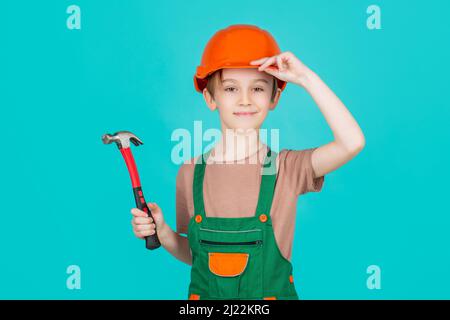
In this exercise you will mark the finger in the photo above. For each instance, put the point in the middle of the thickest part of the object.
(147, 233)
(137, 234)
(143, 234)
(280, 63)
(138, 213)
(142, 220)
(138, 229)
(272, 71)
(144, 227)
(259, 61)
(267, 63)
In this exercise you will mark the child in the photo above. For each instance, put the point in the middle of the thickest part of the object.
(240, 218)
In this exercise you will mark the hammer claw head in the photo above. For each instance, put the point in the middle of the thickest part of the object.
(136, 141)
(122, 139)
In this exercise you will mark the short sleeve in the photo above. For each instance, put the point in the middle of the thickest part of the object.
(298, 167)
(182, 209)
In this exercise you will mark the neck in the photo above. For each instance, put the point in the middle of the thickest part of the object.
(236, 145)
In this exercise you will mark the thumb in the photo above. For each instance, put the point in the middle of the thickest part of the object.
(152, 205)
(156, 211)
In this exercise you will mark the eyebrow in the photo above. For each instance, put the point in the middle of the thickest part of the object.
(232, 80)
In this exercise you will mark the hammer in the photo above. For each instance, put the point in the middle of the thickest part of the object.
(122, 140)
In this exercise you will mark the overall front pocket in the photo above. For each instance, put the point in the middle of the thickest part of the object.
(227, 264)
(234, 263)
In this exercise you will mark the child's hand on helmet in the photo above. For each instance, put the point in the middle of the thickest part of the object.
(284, 66)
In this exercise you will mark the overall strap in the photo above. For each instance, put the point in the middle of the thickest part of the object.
(268, 178)
(199, 174)
(267, 187)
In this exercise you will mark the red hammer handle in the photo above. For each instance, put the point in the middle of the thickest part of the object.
(151, 242)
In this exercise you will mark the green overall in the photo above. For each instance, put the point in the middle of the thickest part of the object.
(237, 258)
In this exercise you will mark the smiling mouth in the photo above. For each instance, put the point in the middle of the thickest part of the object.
(244, 113)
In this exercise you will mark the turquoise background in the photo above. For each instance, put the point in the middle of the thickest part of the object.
(66, 198)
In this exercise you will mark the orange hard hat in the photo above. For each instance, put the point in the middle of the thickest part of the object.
(234, 47)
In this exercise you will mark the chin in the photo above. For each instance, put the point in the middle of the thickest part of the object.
(245, 126)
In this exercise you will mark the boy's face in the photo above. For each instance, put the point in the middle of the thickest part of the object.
(243, 98)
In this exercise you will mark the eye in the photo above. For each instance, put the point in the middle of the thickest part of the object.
(226, 89)
(260, 89)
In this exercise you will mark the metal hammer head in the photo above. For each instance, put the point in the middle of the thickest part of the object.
(122, 139)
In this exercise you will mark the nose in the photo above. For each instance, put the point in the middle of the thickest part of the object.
(244, 99)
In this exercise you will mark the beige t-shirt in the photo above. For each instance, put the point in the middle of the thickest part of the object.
(231, 190)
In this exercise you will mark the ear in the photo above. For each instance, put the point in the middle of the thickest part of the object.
(275, 99)
(212, 105)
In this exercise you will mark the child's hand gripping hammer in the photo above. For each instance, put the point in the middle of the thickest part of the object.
(122, 140)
